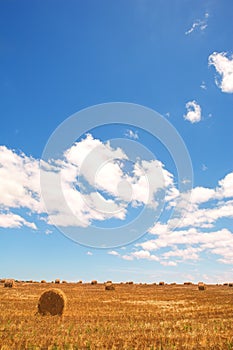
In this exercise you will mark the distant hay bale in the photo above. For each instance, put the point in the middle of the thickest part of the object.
(230, 284)
(93, 282)
(9, 283)
(187, 283)
(80, 282)
(42, 281)
(109, 286)
(225, 284)
(64, 281)
(2, 280)
(201, 286)
(161, 283)
(108, 282)
(52, 302)
(130, 282)
(57, 281)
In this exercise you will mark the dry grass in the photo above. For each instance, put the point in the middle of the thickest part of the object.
(132, 317)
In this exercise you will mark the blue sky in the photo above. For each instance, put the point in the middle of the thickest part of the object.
(174, 57)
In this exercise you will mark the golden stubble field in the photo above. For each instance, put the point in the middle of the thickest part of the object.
(131, 317)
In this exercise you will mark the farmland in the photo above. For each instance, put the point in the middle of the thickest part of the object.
(129, 317)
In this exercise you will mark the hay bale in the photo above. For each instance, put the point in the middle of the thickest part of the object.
(130, 282)
(93, 282)
(161, 283)
(57, 281)
(230, 284)
(64, 281)
(52, 302)
(9, 283)
(42, 281)
(201, 286)
(109, 286)
(187, 283)
(2, 280)
(108, 282)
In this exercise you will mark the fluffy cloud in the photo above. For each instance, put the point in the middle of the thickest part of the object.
(10, 220)
(193, 112)
(90, 182)
(224, 67)
(185, 240)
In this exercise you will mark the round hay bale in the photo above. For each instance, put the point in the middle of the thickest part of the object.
(161, 283)
(230, 284)
(64, 281)
(42, 281)
(93, 282)
(109, 286)
(80, 282)
(108, 282)
(52, 302)
(57, 281)
(130, 282)
(9, 283)
(201, 286)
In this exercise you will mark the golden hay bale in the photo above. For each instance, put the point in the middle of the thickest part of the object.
(57, 281)
(187, 283)
(2, 280)
(230, 284)
(109, 286)
(42, 281)
(52, 302)
(130, 282)
(161, 283)
(9, 283)
(108, 282)
(80, 282)
(64, 281)
(201, 286)
(94, 282)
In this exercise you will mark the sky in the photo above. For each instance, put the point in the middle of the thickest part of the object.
(102, 192)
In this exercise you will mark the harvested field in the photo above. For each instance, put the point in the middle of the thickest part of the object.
(130, 317)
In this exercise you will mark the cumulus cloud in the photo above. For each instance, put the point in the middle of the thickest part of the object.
(224, 67)
(10, 220)
(198, 232)
(193, 112)
(90, 182)
(199, 24)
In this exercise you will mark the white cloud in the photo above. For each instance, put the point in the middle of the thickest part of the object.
(202, 194)
(203, 85)
(113, 252)
(19, 181)
(193, 112)
(224, 67)
(198, 24)
(204, 167)
(11, 220)
(89, 253)
(132, 134)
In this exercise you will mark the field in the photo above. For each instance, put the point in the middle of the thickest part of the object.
(131, 317)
